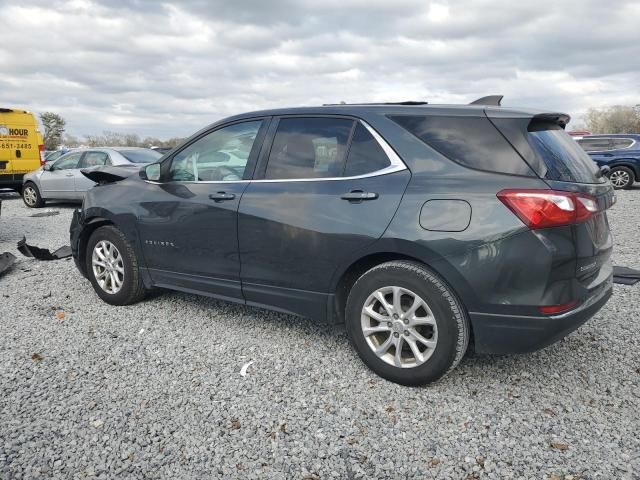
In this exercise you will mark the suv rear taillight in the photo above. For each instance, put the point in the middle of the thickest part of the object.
(42, 155)
(548, 208)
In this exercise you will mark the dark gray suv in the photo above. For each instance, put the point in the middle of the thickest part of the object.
(422, 227)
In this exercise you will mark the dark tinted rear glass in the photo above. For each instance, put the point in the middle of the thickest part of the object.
(471, 141)
(365, 154)
(565, 159)
(140, 156)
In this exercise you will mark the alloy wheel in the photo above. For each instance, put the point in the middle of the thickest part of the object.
(108, 266)
(30, 196)
(399, 327)
(619, 178)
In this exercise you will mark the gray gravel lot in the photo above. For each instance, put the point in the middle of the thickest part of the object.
(154, 390)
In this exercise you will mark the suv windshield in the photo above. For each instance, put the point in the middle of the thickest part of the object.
(140, 156)
(564, 158)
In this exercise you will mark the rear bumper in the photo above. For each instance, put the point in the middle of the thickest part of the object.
(503, 334)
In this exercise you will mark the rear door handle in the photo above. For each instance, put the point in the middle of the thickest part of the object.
(222, 196)
(357, 196)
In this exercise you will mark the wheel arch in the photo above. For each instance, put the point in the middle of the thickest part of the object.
(629, 163)
(347, 276)
(90, 226)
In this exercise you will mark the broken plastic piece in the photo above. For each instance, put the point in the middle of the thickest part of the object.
(6, 260)
(626, 275)
(109, 173)
(42, 253)
(243, 370)
(46, 213)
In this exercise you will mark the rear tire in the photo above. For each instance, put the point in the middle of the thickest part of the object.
(112, 267)
(31, 196)
(622, 177)
(432, 337)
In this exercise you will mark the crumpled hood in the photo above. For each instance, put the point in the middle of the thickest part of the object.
(110, 174)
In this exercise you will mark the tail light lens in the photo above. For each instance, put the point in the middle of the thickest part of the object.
(41, 149)
(549, 208)
(553, 309)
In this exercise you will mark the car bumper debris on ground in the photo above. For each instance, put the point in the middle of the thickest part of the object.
(186, 387)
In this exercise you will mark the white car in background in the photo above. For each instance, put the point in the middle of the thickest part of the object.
(62, 179)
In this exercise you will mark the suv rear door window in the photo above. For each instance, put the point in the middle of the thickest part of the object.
(566, 161)
(470, 141)
(365, 154)
(309, 148)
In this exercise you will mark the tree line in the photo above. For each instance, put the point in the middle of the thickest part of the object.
(54, 137)
(614, 119)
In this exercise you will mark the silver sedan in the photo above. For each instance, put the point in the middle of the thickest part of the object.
(62, 179)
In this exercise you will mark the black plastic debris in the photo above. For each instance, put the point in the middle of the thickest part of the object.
(6, 260)
(47, 213)
(626, 275)
(42, 253)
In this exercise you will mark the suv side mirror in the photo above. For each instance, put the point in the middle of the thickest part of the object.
(151, 172)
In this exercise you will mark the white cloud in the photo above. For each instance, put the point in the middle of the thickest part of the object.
(169, 68)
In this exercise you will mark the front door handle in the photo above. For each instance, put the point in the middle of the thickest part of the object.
(357, 196)
(222, 196)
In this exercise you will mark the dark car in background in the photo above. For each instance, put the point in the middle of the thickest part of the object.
(422, 227)
(619, 152)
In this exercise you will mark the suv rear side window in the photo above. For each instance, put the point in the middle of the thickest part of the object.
(566, 161)
(595, 144)
(308, 148)
(470, 141)
(365, 154)
(621, 143)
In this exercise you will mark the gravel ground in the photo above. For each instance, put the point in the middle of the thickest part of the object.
(154, 390)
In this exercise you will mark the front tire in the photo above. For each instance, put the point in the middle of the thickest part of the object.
(621, 177)
(406, 324)
(31, 196)
(112, 267)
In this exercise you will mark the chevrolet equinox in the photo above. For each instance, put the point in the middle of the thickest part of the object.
(423, 228)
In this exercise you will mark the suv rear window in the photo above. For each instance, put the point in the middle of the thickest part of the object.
(470, 141)
(565, 160)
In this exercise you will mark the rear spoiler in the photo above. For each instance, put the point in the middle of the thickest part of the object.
(109, 174)
(561, 119)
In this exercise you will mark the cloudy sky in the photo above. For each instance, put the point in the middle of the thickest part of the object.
(168, 68)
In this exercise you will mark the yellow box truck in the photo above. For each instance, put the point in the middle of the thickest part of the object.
(21, 146)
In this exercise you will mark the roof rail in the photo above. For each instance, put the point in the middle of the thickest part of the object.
(407, 102)
(489, 100)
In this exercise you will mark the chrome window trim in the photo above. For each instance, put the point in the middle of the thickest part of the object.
(396, 165)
